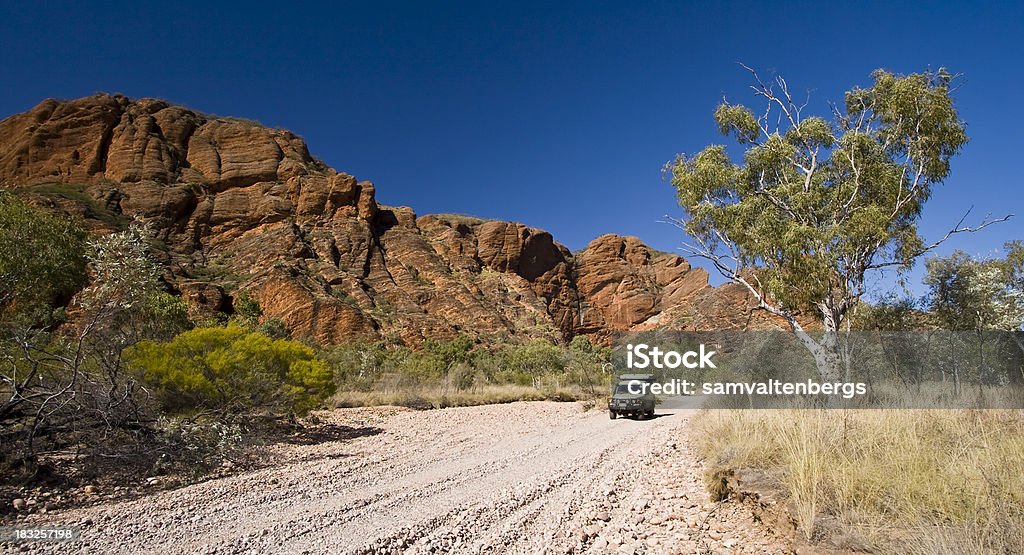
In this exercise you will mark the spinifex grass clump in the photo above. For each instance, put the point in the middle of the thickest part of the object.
(952, 481)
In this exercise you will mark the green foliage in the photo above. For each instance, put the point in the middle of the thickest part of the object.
(976, 295)
(42, 260)
(580, 344)
(738, 121)
(356, 365)
(124, 276)
(77, 194)
(73, 380)
(586, 363)
(450, 352)
(816, 204)
(459, 364)
(249, 315)
(536, 357)
(165, 316)
(889, 314)
(274, 328)
(229, 370)
(125, 301)
(1014, 263)
(247, 311)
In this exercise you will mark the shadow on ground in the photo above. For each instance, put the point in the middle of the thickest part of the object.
(645, 418)
(324, 433)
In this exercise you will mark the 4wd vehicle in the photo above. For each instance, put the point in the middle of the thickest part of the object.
(625, 403)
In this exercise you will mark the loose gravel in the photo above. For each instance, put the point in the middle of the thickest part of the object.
(535, 477)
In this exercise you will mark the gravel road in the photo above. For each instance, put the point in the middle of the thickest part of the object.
(516, 478)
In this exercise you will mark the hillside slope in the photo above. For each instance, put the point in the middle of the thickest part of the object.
(240, 207)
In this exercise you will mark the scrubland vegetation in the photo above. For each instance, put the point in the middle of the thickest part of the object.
(103, 372)
(891, 481)
(816, 207)
(459, 373)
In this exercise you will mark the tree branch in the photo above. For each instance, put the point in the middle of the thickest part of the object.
(956, 229)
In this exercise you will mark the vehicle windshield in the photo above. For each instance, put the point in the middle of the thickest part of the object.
(623, 389)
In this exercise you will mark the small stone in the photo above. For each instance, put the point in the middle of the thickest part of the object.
(603, 515)
(731, 542)
(19, 504)
(91, 489)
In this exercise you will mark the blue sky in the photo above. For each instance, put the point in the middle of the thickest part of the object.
(559, 115)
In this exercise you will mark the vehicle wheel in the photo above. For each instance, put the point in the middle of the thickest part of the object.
(611, 414)
(649, 415)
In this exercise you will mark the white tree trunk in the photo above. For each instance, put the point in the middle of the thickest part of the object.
(828, 357)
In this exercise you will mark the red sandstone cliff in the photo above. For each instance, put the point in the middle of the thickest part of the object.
(244, 208)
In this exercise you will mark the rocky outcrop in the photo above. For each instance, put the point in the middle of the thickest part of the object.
(245, 209)
(109, 137)
(625, 285)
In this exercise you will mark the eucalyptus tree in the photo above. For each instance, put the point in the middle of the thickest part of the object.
(979, 295)
(817, 203)
(968, 294)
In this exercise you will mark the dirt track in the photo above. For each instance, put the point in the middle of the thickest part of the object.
(524, 477)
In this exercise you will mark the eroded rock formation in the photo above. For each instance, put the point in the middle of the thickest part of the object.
(243, 208)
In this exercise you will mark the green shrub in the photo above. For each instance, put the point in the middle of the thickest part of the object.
(247, 311)
(42, 259)
(460, 371)
(357, 365)
(77, 194)
(231, 370)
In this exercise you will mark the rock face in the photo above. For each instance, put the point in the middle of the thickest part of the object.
(106, 137)
(246, 209)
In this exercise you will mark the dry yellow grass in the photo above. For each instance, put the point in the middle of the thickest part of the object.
(893, 481)
(438, 397)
